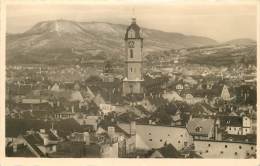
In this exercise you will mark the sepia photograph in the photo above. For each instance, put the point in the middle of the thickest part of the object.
(131, 81)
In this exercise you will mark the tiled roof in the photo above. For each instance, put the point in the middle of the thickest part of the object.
(205, 125)
(169, 151)
(136, 29)
(33, 140)
(15, 127)
(234, 121)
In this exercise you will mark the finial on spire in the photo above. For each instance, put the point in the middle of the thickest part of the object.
(133, 16)
(133, 10)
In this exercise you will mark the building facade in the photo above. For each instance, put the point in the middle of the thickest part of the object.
(132, 83)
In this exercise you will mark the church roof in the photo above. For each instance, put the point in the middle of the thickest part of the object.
(133, 27)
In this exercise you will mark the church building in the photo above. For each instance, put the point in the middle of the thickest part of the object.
(132, 83)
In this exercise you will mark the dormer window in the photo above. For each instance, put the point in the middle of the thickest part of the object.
(198, 129)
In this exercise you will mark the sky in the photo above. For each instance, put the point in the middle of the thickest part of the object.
(219, 22)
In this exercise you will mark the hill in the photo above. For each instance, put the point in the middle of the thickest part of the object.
(242, 41)
(64, 41)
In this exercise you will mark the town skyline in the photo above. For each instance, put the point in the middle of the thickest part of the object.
(99, 90)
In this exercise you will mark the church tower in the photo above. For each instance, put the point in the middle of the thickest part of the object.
(132, 83)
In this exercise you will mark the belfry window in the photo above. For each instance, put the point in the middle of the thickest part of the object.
(131, 53)
(131, 33)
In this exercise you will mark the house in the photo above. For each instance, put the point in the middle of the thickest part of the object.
(179, 87)
(55, 87)
(167, 151)
(201, 129)
(172, 96)
(127, 131)
(64, 115)
(236, 125)
(68, 98)
(41, 143)
(154, 136)
(123, 135)
(225, 95)
(202, 110)
(88, 120)
(147, 104)
(176, 118)
(107, 108)
(80, 137)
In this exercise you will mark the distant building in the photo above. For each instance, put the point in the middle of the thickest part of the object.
(80, 137)
(236, 125)
(225, 95)
(200, 128)
(153, 137)
(40, 143)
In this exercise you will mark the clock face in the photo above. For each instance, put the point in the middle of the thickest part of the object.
(131, 44)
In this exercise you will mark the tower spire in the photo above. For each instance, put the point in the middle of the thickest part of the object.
(133, 15)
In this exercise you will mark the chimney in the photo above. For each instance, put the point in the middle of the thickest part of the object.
(216, 132)
(191, 117)
(133, 128)
(86, 138)
(111, 131)
(72, 109)
(14, 147)
(45, 140)
(42, 131)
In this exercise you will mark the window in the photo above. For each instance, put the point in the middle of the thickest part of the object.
(225, 146)
(235, 129)
(198, 129)
(252, 147)
(235, 153)
(208, 145)
(131, 69)
(150, 140)
(168, 134)
(207, 151)
(179, 141)
(240, 147)
(181, 135)
(131, 53)
(185, 143)
(247, 154)
(246, 130)
(229, 128)
(160, 140)
(221, 152)
(149, 133)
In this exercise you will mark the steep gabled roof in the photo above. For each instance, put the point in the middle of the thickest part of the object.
(200, 126)
(167, 151)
